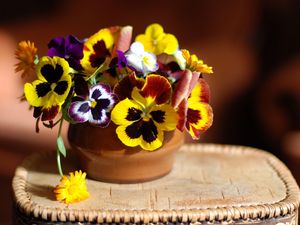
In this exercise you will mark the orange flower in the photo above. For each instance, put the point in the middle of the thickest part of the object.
(194, 64)
(72, 189)
(26, 54)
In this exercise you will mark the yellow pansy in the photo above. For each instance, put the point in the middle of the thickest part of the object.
(155, 40)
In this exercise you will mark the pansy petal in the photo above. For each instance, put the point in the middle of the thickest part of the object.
(134, 61)
(99, 117)
(50, 113)
(152, 140)
(36, 91)
(122, 39)
(125, 112)
(168, 44)
(79, 111)
(157, 88)
(124, 88)
(81, 86)
(181, 90)
(52, 69)
(182, 114)
(164, 116)
(90, 49)
(200, 92)
(154, 31)
(99, 91)
(199, 118)
(125, 138)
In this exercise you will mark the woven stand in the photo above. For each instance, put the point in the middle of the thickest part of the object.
(208, 184)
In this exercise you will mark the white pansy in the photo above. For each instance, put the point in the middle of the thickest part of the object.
(144, 62)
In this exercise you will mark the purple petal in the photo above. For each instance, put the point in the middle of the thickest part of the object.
(101, 90)
(122, 61)
(79, 111)
(99, 117)
(56, 47)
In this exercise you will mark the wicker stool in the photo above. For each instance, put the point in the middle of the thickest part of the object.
(208, 184)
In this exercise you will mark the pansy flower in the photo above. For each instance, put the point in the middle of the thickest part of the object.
(95, 107)
(143, 62)
(155, 40)
(51, 88)
(96, 49)
(195, 113)
(143, 119)
(69, 48)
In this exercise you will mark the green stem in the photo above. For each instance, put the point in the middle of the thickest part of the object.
(57, 151)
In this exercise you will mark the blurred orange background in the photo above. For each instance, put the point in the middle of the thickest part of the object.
(252, 45)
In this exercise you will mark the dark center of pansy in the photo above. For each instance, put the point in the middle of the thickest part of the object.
(103, 103)
(193, 116)
(133, 114)
(96, 94)
(51, 74)
(158, 116)
(99, 55)
(147, 129)
(96, 113)
(43, 89)
(61, 87)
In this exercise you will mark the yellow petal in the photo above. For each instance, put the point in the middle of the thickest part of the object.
(125, 139)
(154, 145)
(154, 31)
(168, 44)
(120, 111)
(170, 117)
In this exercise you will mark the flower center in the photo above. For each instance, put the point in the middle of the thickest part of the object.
(154, 42)
(53, 85)
(72, 189)
(93, 104)
(146, 60)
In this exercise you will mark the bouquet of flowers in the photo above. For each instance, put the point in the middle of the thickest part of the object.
(146, 88)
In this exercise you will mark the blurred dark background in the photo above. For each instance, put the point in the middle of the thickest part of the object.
(253, 45)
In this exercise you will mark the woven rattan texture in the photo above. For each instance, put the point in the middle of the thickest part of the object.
(208, 183)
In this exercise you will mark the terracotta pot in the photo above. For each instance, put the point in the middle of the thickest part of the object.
(103, 156)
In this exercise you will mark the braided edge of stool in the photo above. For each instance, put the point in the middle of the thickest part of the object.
(284, 207)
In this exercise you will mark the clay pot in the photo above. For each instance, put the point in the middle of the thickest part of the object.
(105, 158)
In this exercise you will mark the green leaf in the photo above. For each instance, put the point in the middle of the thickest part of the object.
(61, 146)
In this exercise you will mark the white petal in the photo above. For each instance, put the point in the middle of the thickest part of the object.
(137, 48)
(135, 61)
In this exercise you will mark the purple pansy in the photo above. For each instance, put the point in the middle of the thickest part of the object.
(95, 107)
(70, 48)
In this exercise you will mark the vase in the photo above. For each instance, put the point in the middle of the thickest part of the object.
(105, 158)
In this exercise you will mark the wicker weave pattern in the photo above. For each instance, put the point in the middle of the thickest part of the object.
(284, 201)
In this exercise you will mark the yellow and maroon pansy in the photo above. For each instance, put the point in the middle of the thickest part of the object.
(51, 88)
(142, 120)
(96, 49)
(199, 114)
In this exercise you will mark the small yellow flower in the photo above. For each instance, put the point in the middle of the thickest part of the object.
(194, 64)
(155, 40)
(73, 189)
(25, 53)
